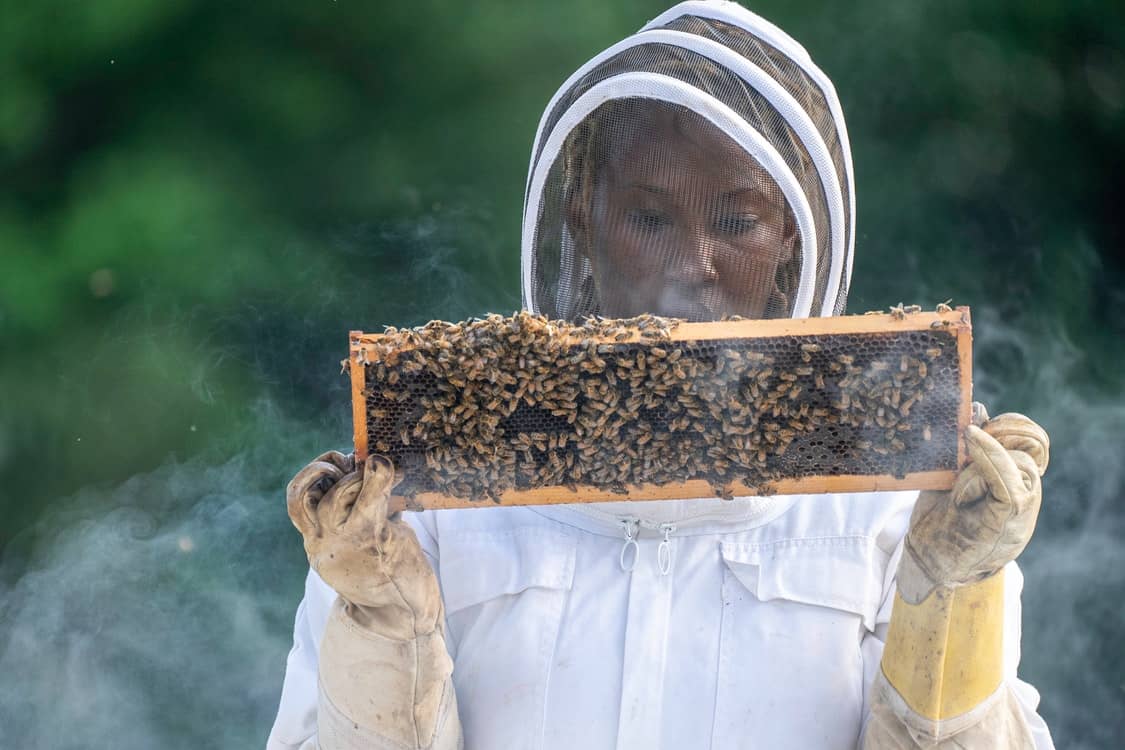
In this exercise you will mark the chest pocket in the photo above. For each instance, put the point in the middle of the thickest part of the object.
(790, 665)
(504, 596)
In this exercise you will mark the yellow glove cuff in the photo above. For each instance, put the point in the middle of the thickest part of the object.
(944, 656)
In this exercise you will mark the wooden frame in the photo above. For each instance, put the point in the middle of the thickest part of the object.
(956, 323)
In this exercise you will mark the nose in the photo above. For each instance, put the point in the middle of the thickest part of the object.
(694, 258)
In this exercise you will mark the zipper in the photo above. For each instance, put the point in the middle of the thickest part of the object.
(664, 551)
(631, 549)
(631, 527)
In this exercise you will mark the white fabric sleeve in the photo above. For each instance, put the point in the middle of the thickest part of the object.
(296, 713)
(425, 528)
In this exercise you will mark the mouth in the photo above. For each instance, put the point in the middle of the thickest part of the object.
(677, 302)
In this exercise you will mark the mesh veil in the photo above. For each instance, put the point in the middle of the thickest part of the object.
(697, 169)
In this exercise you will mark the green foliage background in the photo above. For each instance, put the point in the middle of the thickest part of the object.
(199, 200)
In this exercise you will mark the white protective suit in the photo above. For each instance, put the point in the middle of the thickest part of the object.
(752, 623)
(766, 631)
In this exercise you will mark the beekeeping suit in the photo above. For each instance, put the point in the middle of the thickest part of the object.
(699, 168)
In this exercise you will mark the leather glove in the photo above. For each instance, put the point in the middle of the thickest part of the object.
(967, 534)
(384, 671)
(373, 561)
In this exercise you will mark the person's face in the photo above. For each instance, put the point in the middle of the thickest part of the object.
(683, 223)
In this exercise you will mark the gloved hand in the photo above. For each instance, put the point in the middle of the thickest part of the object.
(384, 671)
(942, 678)
(373, 562)
(967, 534)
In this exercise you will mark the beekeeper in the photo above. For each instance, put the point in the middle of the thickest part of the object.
(699, 168)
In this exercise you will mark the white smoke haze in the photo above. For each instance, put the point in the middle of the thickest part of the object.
(1074, 594)
(158, 613)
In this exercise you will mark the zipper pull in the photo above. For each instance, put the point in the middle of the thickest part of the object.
(664, 551)
(630, 527)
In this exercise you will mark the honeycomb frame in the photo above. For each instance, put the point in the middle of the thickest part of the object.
(844, 371)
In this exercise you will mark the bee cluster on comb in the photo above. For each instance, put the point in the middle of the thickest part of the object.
(500, 408)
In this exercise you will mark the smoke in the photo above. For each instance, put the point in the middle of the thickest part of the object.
(159, 612)
(1074, 568)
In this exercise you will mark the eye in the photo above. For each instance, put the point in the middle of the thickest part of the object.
(736, 223)
(648, 221)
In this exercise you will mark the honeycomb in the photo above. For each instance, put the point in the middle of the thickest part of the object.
(475, 409)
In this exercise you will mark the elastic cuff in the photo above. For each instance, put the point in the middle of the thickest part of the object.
(932, 730)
